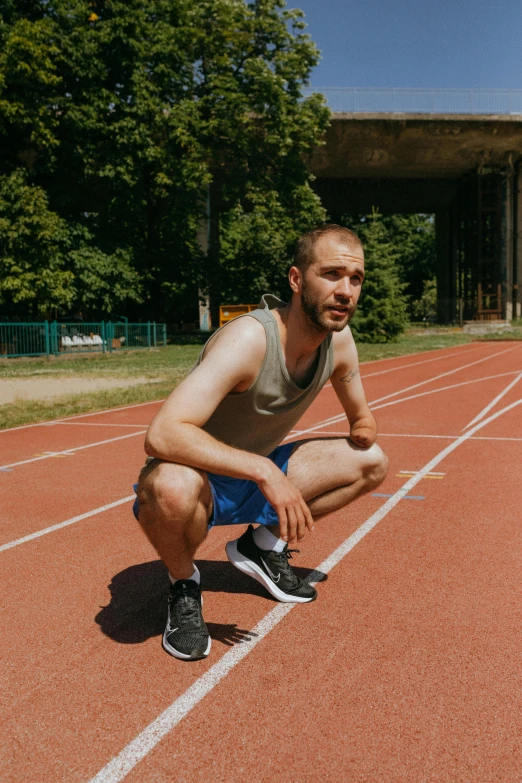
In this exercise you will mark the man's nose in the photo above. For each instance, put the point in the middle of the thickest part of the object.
(344, 288)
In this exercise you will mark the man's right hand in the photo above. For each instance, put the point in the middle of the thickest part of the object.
(293, 513)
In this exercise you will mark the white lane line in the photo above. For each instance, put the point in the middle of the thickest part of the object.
(117, 769)
(152, 402)
(93, 424)
(416, 364)
(413, 472)
(69, 452)
(454, 349)
(402, 366)
(341, 416)
(67, 522)
(441, 389)
(321, 424)
(80, 416)
(492, 404)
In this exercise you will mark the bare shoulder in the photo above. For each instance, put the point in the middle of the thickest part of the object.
(345, 350)
(241, 343)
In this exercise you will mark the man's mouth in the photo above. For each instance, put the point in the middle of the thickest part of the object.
(340, 310)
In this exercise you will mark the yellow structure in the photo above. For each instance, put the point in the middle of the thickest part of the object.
(229, 312)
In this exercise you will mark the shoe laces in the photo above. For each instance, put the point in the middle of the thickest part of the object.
(285, 567)
(186, 605)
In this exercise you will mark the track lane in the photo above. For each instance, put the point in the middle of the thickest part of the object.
(57, 489)
(492, 361)
(101, 414)
(51, 437)
(69, 706)
(96, 466)
(154, 734)
(223, 607)
(408, 668)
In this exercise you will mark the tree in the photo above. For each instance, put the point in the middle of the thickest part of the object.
(49, 265)
(34, 241)
(413, 237)
(126, 113)
(425, 308)
(381, 313)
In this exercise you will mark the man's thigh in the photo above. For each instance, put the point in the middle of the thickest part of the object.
(319, 465)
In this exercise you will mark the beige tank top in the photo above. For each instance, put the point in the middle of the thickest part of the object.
(258, 419)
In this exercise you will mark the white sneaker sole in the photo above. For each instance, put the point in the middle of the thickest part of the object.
(182, 656)
(247, 566)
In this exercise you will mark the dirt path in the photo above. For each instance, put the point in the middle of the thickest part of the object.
(15, 389)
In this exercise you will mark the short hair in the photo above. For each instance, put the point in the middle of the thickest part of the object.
(305, 248)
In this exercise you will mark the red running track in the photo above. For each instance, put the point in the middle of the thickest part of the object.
(407, 668)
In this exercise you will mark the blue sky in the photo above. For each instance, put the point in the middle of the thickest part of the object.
(403, 43)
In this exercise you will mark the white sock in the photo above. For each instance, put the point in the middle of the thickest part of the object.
(265, 539)
(196, 577)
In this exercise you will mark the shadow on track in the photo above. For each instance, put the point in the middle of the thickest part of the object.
(138, 605)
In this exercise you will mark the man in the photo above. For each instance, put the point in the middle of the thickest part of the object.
(215, 443)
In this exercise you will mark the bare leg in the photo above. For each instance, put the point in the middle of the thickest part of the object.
(175, 506)
(331, 473)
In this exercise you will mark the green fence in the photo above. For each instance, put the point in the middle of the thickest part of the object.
(51, 337)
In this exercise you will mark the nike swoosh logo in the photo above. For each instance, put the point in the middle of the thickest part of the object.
(274, 577)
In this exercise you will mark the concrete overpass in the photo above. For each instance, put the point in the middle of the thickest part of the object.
(464, 168)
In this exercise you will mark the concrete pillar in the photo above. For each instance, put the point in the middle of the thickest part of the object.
(445, 268)
(203, 239)
(507, 241)
(516, 297)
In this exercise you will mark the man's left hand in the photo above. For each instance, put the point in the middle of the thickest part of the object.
(363, 432)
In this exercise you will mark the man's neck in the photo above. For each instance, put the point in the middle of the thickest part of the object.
(300, 339)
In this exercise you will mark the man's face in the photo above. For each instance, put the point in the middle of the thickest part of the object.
(332, 284)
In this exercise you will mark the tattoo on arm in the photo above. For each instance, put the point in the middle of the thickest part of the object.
(351, 375)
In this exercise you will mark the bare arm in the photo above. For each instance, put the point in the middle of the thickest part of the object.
(347, 384)
(231, 363)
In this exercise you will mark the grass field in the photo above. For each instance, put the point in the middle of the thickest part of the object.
(165, 367)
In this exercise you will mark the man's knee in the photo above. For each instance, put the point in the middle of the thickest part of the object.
(173, 490)
(376, 466)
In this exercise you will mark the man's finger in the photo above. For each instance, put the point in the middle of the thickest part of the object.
(283, 522)
(292, 524)
(309, 520)
(301, 523)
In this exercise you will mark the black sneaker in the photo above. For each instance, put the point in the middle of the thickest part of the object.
(186, 635)
(271, 569)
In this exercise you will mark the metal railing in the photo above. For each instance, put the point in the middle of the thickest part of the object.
(419, 100)
(46, 338)
(459, 311)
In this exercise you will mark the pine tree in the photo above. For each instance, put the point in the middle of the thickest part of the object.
(382, 310)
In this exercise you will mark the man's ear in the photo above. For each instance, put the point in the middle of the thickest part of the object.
(295, 279)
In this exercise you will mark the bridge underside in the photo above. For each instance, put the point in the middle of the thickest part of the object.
(464, 170)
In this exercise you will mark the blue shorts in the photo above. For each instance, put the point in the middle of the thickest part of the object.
(236, 501)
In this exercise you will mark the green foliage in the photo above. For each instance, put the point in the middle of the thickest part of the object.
(381, 313)
(425, 308)
(125, 113)
(257, 245)
(413, 237)
(33, 247)
(47, 264)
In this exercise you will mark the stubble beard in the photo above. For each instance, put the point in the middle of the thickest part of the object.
(315, 313)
